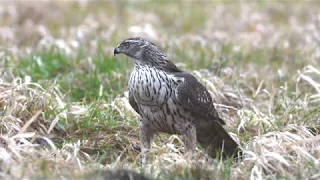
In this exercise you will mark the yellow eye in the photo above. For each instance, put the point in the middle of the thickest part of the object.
(126, 45)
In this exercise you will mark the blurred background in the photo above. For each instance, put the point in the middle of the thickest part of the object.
(283, 36)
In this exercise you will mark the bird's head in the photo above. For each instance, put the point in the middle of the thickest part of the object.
(141, 50)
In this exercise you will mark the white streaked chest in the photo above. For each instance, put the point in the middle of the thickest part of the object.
(150, 86)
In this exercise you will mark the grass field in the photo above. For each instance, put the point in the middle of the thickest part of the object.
(63, 95)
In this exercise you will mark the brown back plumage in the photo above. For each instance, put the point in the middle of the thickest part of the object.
(210, 133)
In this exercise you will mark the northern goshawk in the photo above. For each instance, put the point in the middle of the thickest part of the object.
(172, 101)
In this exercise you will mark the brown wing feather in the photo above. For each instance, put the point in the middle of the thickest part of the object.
(195, 97)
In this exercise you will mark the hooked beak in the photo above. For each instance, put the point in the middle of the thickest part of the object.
(116, 51)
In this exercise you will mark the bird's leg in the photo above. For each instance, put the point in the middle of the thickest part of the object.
(189, 139)
(146, 138)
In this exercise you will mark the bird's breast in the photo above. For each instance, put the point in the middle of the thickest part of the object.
(170, 117)
(154, 92)
(150, 86)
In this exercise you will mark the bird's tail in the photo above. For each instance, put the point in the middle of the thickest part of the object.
(215, 140)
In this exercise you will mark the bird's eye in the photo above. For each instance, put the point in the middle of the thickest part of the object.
(126, 45)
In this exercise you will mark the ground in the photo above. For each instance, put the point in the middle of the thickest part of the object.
(63, 95)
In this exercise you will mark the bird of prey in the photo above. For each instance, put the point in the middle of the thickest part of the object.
(172, 101)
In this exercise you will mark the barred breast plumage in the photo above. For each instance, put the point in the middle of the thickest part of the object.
(154, 92)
